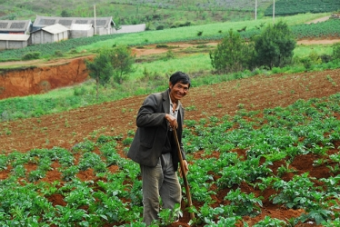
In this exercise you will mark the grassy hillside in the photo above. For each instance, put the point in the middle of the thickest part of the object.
(213, 31)
(158, 12)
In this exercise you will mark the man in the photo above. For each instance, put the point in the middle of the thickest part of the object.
(155, 149)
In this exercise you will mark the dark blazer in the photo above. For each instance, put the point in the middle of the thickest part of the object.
(151, 133)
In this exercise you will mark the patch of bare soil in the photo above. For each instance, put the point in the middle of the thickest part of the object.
(318, 42)
(322, 19)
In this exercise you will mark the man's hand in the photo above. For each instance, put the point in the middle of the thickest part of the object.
(172, 121)
(186, 168)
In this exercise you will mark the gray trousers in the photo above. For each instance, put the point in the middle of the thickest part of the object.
(160, 181)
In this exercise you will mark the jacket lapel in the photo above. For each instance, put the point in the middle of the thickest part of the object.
(166, 101)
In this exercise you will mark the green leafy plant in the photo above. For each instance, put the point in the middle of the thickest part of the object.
(268, 221)
(168, 216)
(69, 173)
(244, 204)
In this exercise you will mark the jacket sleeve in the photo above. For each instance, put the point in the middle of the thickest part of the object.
(149, 113)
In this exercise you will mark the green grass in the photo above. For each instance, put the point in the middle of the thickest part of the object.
(210, 31)
(192, 63)
(304, 50)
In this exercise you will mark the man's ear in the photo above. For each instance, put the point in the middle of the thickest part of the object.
(170, 85)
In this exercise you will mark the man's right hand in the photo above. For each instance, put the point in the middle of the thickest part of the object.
(172, 121)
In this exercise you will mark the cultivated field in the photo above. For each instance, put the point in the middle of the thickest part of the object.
(262, 145)
(110, 125)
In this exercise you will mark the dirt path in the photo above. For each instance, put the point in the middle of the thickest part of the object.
(322, 19)
(318, 42)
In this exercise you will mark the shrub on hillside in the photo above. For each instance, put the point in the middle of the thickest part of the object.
(275, 45)
(31, 56)
(58, 53)
(160, 27)
(336, 51)
(326, 58)
(232, 54)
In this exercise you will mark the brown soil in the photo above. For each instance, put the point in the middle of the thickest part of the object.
(256, 93)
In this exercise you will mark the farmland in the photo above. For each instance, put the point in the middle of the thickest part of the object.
(267, 126)
(262, 145)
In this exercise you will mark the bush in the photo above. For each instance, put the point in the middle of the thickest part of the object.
(232, 54)
(73, 51)
(315, 57)
(336, 51)
(79, 91)
(160, 27)
(274, 46)
(307, 62)
(31, 56)
(58, 53)
(326, 58)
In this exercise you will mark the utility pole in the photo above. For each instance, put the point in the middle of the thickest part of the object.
(255, 9)
(273, 11)
(94, 21)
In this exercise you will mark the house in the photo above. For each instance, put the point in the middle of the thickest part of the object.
(10, 41)
(49, 34)
(131, 28)
(81, 30)
(101, 26)
(15, 26)
(14, 34)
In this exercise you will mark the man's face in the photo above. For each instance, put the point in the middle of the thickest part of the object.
(178, 91)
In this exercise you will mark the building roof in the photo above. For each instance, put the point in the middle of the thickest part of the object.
(14, 37)
(81, 27)
(14, 25)
(42, 21)
(55, 28)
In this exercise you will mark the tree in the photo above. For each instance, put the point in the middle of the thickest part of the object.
(275, 45)
(100, 68)
(232, 54)
(122, 62)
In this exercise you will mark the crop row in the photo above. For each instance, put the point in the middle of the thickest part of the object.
(291, 7)
(113, 195)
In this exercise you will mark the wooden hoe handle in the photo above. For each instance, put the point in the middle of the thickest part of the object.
(186, 185)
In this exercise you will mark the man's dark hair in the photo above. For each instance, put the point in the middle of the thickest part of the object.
(180, 77)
